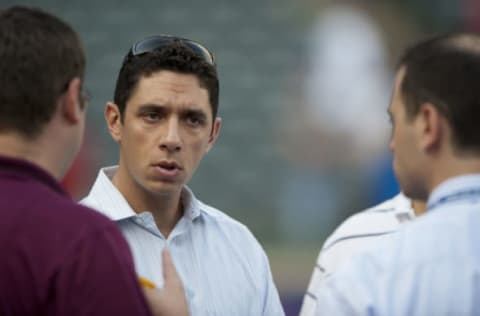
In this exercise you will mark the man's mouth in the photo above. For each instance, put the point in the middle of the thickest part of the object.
(168, 165)
(167, 170)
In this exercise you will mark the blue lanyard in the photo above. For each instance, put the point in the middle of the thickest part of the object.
(461, 195)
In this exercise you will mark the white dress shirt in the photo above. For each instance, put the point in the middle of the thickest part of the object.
(356, 234)
(223, 268)
(429, 267)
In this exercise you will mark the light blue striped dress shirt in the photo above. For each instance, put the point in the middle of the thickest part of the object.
(430, 267)
(224, 269)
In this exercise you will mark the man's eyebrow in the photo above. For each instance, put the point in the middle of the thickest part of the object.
(155, 107)
(196, 112)
(151, 107)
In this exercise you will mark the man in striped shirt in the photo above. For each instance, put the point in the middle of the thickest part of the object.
(164, 118)
(357, 233)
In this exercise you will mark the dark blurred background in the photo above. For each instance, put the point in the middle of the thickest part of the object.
(304, 89)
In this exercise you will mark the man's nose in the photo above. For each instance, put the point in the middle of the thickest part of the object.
(171, 140)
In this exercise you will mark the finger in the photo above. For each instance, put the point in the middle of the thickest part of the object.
(149, 293)
(170, 274)
(157, 301)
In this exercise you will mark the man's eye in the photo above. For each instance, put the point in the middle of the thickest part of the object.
(194, 121)
(152, 116)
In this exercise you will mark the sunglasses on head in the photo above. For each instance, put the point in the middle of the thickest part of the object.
(152, 43)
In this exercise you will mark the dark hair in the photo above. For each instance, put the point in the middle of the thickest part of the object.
(176, 57)
(39, 55)
(445, 71)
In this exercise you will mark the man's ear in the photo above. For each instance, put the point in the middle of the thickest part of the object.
(214, 134)
(70, 102)
(114, 122)
(430, 127)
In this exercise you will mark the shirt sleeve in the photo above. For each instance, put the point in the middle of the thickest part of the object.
(353, 289)
(331, 257)
(97, 277)
(345, 294)
(355, 235)
(310, 298)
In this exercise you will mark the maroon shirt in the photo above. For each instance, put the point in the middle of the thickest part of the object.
(58, 257)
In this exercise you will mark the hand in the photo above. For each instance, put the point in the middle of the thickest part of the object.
(169, 301)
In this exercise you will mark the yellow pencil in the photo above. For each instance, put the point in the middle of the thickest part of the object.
(146, 282)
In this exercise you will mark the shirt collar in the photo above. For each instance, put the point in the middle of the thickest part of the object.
(191, 206)
(16, 166)
(113, 204)
(403, 205)
(453, 186)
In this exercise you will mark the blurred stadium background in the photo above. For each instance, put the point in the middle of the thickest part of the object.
(304, 90)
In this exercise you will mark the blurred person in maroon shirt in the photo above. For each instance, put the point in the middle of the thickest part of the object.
(58, 258)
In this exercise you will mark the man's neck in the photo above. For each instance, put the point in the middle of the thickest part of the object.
(419, 207)
(167, 211)
(18, 147)
(166, 208)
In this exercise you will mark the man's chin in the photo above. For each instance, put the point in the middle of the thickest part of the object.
(164, 188)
